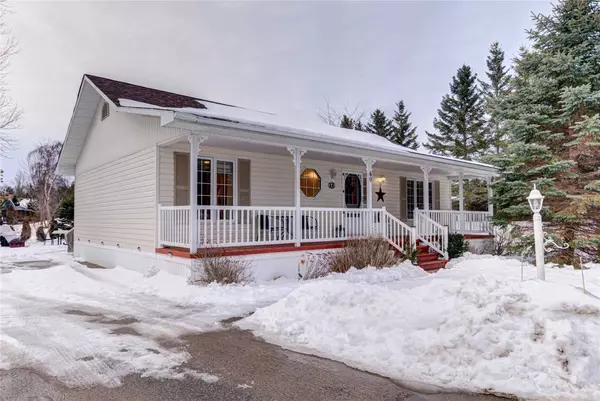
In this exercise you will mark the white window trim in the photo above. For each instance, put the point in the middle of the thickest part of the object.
(213, 177)
(361, 175)
(431, 193)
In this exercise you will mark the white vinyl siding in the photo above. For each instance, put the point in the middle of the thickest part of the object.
(115, 203)
(119, 135)
(115, 181)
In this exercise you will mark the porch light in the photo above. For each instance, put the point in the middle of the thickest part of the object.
(380, 180)
(536, 200)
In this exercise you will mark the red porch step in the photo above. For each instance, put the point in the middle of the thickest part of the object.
(433, 264)
(427, 257)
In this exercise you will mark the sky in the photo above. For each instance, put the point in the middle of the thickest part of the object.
(282, 57)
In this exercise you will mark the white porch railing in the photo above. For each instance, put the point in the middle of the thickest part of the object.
(432, 233)
(399, 234)
(473, 222)
(330, 224)
(225, 226)
(174, 225)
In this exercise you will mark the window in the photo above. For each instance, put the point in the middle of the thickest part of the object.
(310, 182)
(204, 181)
(224, 183)
(215, 186)
(352, 191)
(105, 111)
(415, 196)
(410, 198)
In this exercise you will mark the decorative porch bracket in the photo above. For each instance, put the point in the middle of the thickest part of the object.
(297, 154)
(195, 142)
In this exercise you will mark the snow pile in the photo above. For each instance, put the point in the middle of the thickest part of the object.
(475, 327)
(373, 275)
(95, 326)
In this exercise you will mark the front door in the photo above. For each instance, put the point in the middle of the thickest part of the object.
(353, 193)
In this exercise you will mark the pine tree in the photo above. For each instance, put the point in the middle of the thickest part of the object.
(346, 122)
(461, 126)
(552, 117)
(493, 91)
(380, 124)
(404, 133)
(359, 126)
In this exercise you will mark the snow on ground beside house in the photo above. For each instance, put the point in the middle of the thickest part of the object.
(473, 327)
(94, 326)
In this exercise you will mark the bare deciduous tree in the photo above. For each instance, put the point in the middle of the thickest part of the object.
(20, 184)
(332, 116)
(9, 112)
(45, 186)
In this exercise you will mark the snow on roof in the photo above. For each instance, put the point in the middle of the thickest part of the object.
(304, 128)
(127, 95)
(277, 122)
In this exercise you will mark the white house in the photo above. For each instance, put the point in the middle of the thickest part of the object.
(257, 184)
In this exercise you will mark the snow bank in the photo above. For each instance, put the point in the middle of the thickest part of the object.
(474, 327)
(95, 326)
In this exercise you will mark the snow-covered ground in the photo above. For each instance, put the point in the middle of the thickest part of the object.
(94, 326)
(473, 327)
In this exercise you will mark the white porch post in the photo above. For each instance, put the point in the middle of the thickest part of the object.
(461, 202)
(426, 170)
(490, 195)
(194, 144)
(297, 154)
(369, 165)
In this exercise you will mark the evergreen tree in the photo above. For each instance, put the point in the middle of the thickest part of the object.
(359, 126)
(461, 126)
(404, 133)
(493, 91)
(346, 122)
(380, 124)
(552, 117)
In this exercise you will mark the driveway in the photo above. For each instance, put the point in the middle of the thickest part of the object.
(248, 369)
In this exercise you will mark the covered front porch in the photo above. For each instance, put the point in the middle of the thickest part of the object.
(228, 192)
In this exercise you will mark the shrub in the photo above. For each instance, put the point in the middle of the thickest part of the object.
(40, 234)
(25, 231)
(360, 253)
(315, 266)
(215, 267)
(457, 245)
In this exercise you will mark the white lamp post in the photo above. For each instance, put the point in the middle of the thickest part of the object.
(536, 200)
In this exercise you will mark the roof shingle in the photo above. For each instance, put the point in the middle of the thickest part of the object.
(116, 90)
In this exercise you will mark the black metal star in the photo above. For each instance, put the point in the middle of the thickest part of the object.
(380, 194)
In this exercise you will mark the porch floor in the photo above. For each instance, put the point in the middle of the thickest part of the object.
(253, 249)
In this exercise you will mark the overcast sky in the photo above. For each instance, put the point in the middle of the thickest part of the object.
(274, 56)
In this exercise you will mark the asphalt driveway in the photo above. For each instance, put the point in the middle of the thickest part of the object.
(248, 369)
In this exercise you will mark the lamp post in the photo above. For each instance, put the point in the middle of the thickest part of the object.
(536, 200)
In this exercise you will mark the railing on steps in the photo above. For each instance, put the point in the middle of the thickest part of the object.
(398, 234)
(431, 233)
(473, 222)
